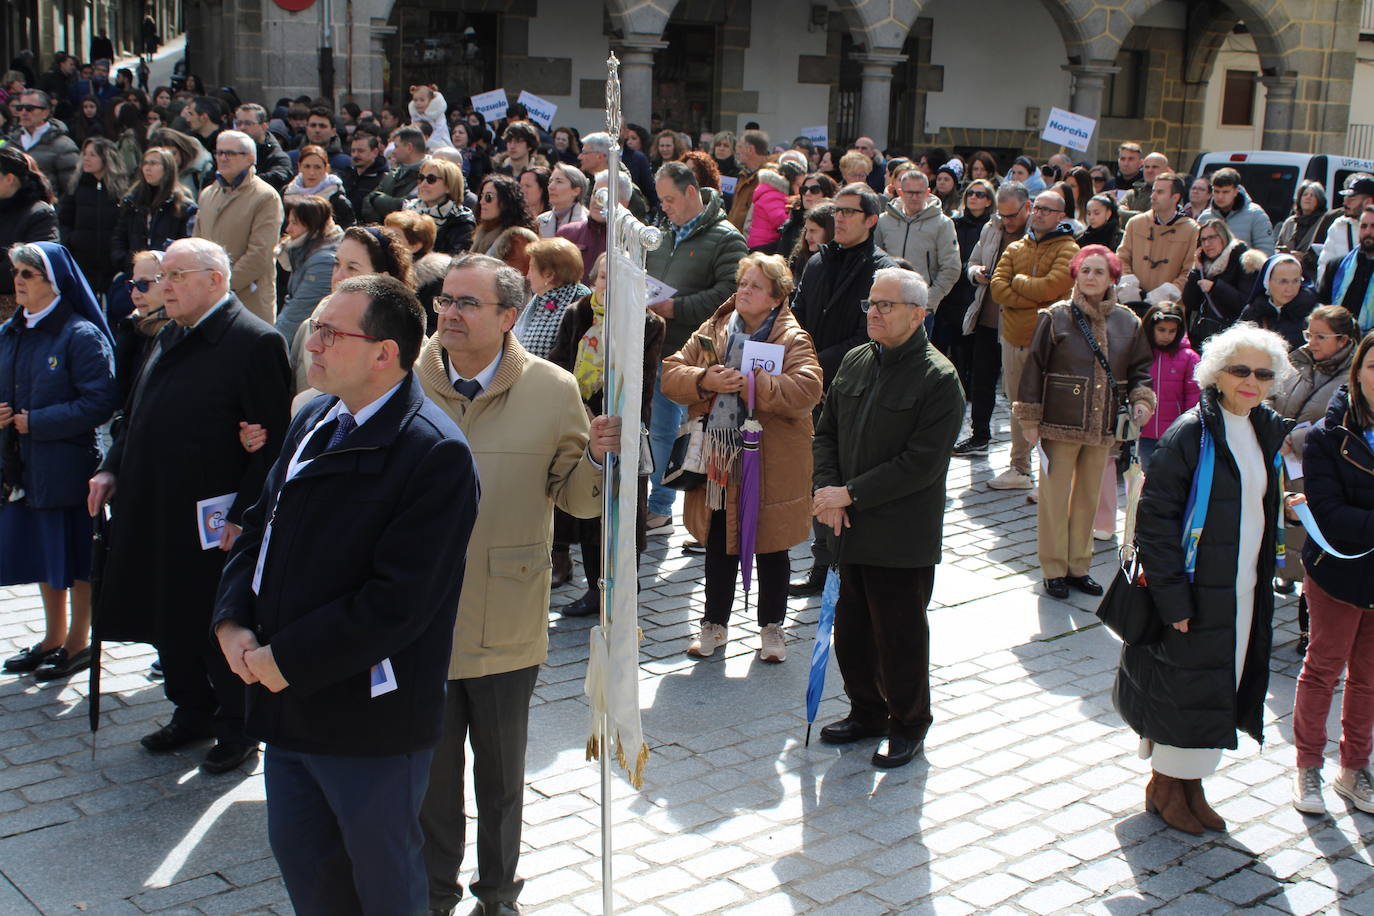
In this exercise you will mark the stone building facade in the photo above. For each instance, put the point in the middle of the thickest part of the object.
(909, 73)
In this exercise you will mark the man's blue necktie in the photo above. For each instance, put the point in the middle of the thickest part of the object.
(346, 426)
(468, 388)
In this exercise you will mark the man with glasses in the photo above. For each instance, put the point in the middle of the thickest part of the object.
(1007, 224)
(212, 367)
(915, 227)
(273, 164)
(534, 450)
(243, 214)
(882, 452)
(834, 281)
(398, 185)
(1032, 274)
(343, 639)
(46, 140)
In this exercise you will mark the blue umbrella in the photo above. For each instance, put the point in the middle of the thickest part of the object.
(820, 652)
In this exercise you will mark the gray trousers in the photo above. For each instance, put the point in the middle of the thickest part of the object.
(494, 712)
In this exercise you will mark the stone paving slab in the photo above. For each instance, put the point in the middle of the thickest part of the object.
(1028, 798)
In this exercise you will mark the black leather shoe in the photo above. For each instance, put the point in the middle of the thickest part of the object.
(1057, 587)
(813, 584)
(29, 659)
(1085, 584)
(586, 606)
(1284, 586)
(849, 729)
(899, 752)
(59, 665)
(494, 908)
(172, 736)
(224, 757)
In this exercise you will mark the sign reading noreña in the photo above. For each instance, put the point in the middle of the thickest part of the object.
(1068, 129)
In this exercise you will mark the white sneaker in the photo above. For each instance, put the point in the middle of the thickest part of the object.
(711, 637)
(1307, 791)
(1360, 791)
(1100, 534)
(1011, 479)
(774, 645)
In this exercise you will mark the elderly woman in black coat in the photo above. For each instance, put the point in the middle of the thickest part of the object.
(1208, 567)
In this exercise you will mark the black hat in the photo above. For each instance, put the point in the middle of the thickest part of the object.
(1363, 186)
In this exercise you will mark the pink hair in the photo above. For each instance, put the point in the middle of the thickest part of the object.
(1113, 262)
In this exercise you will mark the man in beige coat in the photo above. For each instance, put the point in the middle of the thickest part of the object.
(524, 419)
(243, 214)
(1159, 246)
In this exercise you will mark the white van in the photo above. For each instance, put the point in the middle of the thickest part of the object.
(1271, 178)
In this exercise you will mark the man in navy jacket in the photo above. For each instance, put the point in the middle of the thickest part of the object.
(337, 607)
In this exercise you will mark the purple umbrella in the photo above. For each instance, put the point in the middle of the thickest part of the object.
(751, 434)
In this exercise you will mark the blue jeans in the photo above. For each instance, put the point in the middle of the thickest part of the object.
(663, 424)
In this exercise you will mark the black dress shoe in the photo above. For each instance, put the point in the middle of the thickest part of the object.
(899, 752)
(1057, 587)
(586, 606)
(494, 908)
(813, 584)
(172, 736)
(59, 665)
(225, 756)
(849, 729)
(29, 659)
(1085, 584)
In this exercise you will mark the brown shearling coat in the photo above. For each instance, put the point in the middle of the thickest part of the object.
(1031, 275)
(246, 222)
(783, 404)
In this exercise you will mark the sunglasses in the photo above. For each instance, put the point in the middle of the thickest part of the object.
(26, 107)
(812, 189)
(1243, 371)
(430, 178)
(27, 273)
(488, 197)
(982, 194)
(143, 285)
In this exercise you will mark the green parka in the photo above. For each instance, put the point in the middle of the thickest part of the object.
(701, 268)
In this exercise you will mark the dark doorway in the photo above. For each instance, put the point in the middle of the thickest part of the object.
(434, 43)
(685, 89)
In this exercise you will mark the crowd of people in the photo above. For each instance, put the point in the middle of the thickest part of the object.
(256, 345)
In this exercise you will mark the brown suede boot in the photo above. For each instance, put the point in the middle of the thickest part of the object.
(1164, 796)
(562, 568)
(1197, 803)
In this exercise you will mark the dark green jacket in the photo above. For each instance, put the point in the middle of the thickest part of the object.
(396, 187)
(889, 422)
(701, 268)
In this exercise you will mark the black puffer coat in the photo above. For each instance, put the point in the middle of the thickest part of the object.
(25, 217)
(967, 229)
(87, 218)
(1338, 470)
(1182, 691)
(141, 229)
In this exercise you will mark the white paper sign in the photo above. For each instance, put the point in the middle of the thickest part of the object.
(491, 105)
(760, 355)
(817, 135)
(658, 290)
(541, 110)
(1068, 129)
(1293, 463)
(383, 678)
(211, 516)
(727, 184)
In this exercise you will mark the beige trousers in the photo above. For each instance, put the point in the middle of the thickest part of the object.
(1069, 488)
(1013, 362)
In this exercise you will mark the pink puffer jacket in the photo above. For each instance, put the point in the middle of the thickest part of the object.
(1176, 391)
(770, 209)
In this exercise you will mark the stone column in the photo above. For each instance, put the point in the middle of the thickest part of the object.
(1279, 108)
(1086, 97)
(875, 101)
(636, 55)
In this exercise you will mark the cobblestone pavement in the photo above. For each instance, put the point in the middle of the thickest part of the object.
(1028, 798)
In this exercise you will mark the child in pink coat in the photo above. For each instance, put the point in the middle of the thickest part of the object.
(1176, 390)
(770, 209)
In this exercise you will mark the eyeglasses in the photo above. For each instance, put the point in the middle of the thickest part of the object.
(23, 106)
(143, 285)
(982, 194)
(1036, 208)
(177, 275)
(881, 306)
(329, 336)
(229, 152)
(242, 124)
(849, 211)
(27, 273)
(466, 305)
(429, 178)
(1241, 370)
(1310, 336)
(488, 197)
(812, 189)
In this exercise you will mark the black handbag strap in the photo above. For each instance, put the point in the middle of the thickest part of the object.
(1097, 350)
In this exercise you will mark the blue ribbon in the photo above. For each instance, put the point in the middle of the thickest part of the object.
(1304, 513)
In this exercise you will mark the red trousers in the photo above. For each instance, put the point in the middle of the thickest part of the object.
(1342, 638)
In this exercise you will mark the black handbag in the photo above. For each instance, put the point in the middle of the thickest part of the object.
(686, 469)
(1127, 608)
